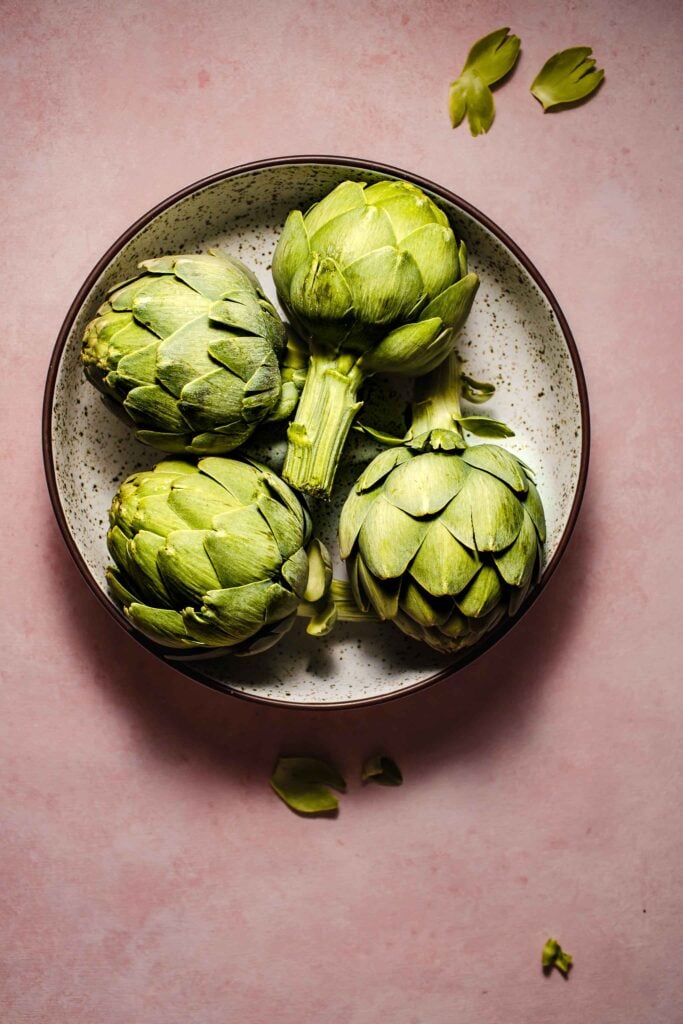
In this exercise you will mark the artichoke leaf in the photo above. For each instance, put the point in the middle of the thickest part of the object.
(165, 305)
(185, 567)
(154, 513)
(346, 196)
(163, 625)
(408, 213)
(122, 295)
(425, 610)
(484, 426)
(566, 77)
(380, 467)
(386, 284)
(534, 507)
(409, 349)
(319, 290)
(433, 248)
(319, 572)
(303, 784)
(286, 528)
(499, 463)
(482, 595)
(292, 250)
(208, 274)
(516, 563)
(389, 539)
(382, 770)
(119, 591)
(136, 368)
(143, 551)
(199, 501)
(213, 399)
(425, 484)
(242, 548)
(383, 595)
(235, 476)
(356, 508)
(485, 515)
(186, 354)
(443, 565)
(352, 233)
(453, 305)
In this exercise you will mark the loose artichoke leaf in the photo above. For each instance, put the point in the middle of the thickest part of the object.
(499, 462)
(385, 284)
(534, 507)
(434, 250)
(486, 514)
(242, 548)
(454, 304)
(425, 484)
(566, 77)
(291, 250)
(489, 60)
(469, 95)
(162, 625)
(302, 783)
(482, 595)
(443, 565)
(553, 955)
(381, 769)
(409, 349)
(476, 391)
(185, 567)
(319, 290)
(286, 528)
(165, 305)
(345, 196)
(484, 426)
(516, 563)
(389, 539)
(353, 234)
(383, 595)
(381, 466)
(423, 608)
(494, 55)
(143, 551)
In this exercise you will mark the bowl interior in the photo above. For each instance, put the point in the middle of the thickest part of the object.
(512, 338)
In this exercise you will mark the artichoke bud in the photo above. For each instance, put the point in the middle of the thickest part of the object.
(212, 554)
(442, 539)
(189, 350)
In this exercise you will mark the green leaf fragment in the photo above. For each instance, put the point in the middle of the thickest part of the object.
(554, 956)
(489, 60)
(382, 770)
(483, 426)
(566, 77)
(303, 784)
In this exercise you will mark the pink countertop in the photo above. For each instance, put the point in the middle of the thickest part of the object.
(149, 874)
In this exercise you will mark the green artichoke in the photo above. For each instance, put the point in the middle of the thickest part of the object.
(441, 538)
(190, 349)
(373, 279)
(213, 554)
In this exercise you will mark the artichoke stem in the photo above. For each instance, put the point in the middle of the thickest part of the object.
(326, 410)
(437, 398)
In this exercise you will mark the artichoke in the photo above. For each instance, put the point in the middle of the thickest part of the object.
(189, 350)
(442, 538)
(373, 279)
(213, 554)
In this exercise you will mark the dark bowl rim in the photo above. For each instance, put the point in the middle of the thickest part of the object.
(190, 668)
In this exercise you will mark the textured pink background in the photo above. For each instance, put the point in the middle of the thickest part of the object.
(149, 874)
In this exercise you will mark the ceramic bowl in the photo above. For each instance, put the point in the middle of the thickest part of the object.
(516, 337)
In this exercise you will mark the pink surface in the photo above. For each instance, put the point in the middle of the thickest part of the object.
(149, 874)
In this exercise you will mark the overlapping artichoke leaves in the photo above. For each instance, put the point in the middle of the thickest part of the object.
(217, 554)
(443, 538)
(190, 350)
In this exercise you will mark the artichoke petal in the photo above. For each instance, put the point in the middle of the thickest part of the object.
(534, 507)
(486, 514)
(210, 274)
(389, 539)
(235, 476)
(433, 248)
(482, 595)
(425, 484)
(199, 500)
(516, 563)
(151, 404)
(121, 297)
(143, 551)
(380, 467)
(186, 354)
(385, 284)
(295, 572)
(165, 305)
(423, 607)
(286, 528)
(242, 548)
(213, 399)
(136, 368)
(319, 290)
(154, 513)
(442, 565)
(356, 508)
(454, 304)
(411, 349)
(353, 234)
(383, 595)
(499, 462)
(184, 566)
(347, 196)
(292, 249)
(162, 625)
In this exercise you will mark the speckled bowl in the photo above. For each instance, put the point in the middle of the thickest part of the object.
(516, 337)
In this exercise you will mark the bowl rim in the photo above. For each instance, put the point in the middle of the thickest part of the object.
(192, 669)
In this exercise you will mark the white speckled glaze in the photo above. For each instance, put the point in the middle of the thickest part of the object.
(513, 338)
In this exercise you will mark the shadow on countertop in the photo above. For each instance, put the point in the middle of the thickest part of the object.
(181, 721)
